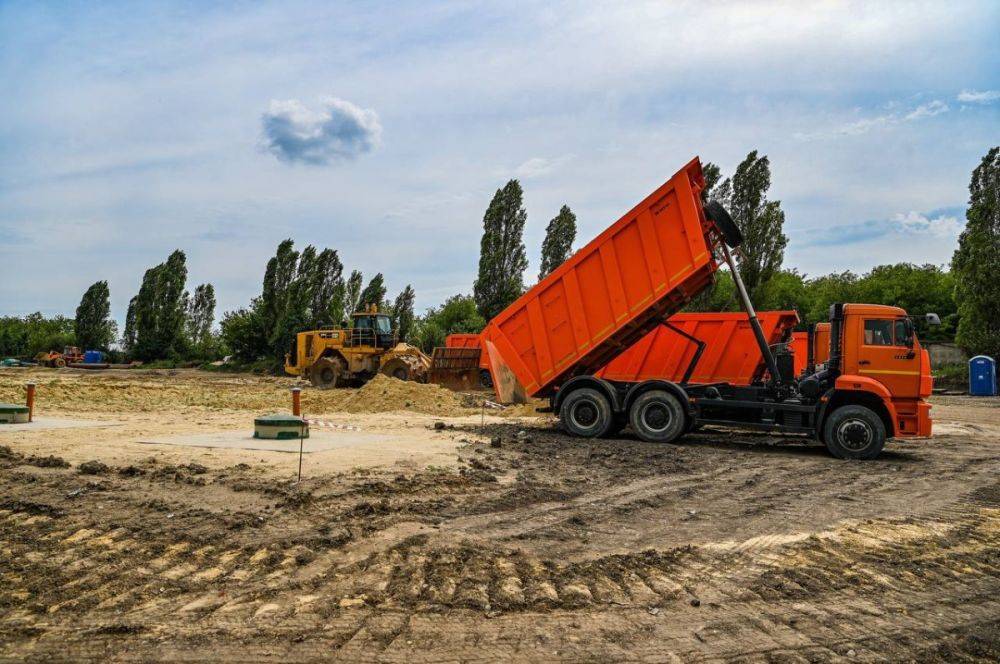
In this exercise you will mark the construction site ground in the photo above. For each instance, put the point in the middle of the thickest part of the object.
(451, 540)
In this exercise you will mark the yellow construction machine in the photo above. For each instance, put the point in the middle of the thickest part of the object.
(339, 356)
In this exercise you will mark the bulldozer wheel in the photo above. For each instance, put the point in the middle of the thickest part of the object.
(59, 363)
(326, 373)
(399, 368)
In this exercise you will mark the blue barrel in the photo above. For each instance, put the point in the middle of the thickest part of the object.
(93, 357)
(982, 376)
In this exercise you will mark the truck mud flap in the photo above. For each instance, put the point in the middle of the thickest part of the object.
(508, 388)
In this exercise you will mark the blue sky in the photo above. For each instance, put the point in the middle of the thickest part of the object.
(383, 129)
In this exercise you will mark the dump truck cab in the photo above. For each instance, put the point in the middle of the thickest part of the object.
(873, 358)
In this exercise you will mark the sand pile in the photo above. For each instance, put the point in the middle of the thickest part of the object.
(384, 394)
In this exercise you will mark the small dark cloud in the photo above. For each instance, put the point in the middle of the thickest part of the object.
(338, 131)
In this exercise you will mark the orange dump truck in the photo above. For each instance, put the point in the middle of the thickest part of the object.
(556, 339)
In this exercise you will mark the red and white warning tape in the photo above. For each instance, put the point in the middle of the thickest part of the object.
(331, 425)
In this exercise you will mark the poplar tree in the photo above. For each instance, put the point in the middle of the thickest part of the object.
(352, 292)
(374, 292)
(761, 220)
(201, 315)
(402, 313)
(558, 243)
(159, 310)
(327, 306)
(93, 326)
(502, 257)
(976, 262)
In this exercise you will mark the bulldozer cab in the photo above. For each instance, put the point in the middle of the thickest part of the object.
(371, 329)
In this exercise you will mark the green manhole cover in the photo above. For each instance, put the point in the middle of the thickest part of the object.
(280, 427)
(13, 413)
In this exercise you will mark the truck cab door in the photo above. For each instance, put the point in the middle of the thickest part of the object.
(887, 351)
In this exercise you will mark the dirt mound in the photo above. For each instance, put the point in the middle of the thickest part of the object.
(384, 394)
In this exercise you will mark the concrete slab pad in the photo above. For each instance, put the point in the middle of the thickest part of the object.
(318, 441)
(49, 423)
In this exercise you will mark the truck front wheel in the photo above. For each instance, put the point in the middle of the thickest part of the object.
(854, 432)
(587, 413)
(657, 417)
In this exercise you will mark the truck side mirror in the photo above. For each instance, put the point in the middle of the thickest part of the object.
(932, 319)
(908, 325)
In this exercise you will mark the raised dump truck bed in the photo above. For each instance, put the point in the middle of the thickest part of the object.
(609, 294)
(702, 348)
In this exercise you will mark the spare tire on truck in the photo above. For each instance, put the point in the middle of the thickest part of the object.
(727, 226)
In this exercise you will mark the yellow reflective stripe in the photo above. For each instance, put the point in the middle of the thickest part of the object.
(887, 371)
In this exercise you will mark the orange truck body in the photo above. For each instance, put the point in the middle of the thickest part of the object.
(608, 295)
(731, 354)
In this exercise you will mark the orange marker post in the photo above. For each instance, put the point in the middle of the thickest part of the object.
(297, 401)
(30, 388)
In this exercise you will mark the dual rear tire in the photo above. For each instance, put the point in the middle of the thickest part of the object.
(656, 416)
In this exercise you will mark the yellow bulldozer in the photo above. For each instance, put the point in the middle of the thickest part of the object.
(341, 356)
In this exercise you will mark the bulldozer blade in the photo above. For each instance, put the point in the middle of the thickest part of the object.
(505, 383)
(455, 368)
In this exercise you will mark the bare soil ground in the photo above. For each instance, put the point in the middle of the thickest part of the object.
(462, 542)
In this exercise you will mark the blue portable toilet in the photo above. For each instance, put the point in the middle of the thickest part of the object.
(93, 357)
(982, 376)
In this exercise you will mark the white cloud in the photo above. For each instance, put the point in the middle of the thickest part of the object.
(942, 226)
(977, 97)
(339, 131)
(929, 110)
(865, 125)
(539, 166)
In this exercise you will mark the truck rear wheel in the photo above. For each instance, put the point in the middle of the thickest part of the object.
(854, 432)
(587, 413)
(486, 379)
(657, 417)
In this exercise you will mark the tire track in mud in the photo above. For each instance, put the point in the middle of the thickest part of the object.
(858, 587)
(91, 569)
